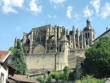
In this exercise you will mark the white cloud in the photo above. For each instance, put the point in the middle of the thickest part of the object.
(57, 1)
(55, 16)
(55, 6)
(8, 9)
(76, 16)
(105, 10)
(9, 4)
(96, 5)
(49, 16)
(68, 12)
(87, 12)
(34, 7)
(0, 3)
(52, 16)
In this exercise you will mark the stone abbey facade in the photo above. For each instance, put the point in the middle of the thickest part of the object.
(56, 45)
(48, 39)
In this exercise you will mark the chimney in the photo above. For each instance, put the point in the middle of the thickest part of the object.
(107, 28)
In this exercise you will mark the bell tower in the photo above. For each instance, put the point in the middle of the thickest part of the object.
(88, 33)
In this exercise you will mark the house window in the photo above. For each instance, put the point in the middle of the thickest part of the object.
(2, 78)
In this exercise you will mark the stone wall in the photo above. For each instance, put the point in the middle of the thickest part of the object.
(52, 62)
(72, 57)
(37, 62)
(49, 62)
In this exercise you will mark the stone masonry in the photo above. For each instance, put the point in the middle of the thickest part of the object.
(53, 48)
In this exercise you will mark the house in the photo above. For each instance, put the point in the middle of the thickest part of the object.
(105, 34)
(3, 65)
(7, 71)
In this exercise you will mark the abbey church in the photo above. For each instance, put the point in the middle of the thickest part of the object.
(55, 45)
(48, 39)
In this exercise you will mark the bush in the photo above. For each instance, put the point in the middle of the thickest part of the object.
(66, 73)
(90, 79)
(49, 79)
(40, 79)
(57, 75)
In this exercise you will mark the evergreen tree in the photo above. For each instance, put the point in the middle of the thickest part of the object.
(18, 59)
(97, 62)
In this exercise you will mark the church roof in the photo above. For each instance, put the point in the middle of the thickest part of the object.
(88, 26)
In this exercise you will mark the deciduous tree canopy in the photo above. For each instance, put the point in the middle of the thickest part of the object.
(97, 62)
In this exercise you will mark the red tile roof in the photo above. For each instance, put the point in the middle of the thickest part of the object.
(23, 78)
(3, 55)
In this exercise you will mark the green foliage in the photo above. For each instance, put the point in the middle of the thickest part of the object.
(90, 79)
(49, 79)
(57, 75)
(61, 76)
(97, 62)
(12, 50)
(18, 59)
(66, 73)
(40, 79)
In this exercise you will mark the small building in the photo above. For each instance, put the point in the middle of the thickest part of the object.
(3, 65)
(105, 34)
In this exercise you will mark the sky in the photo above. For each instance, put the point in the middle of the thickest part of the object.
(18, 16)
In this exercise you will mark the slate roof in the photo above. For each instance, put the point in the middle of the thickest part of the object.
(102, 34)
(4, 55)
(87, 28)
(11, 69)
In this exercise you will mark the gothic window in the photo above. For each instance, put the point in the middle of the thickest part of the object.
(86, 42)
(93, 36)
(88, 35)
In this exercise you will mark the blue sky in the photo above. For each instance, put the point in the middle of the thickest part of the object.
(18, 16)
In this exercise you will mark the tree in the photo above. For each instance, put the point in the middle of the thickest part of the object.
(12, 50)
(18, 59)
(97, 62)
(66, 73)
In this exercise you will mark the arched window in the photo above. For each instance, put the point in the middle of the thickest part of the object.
(88, 35)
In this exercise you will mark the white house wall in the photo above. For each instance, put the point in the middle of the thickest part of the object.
(5, 72)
